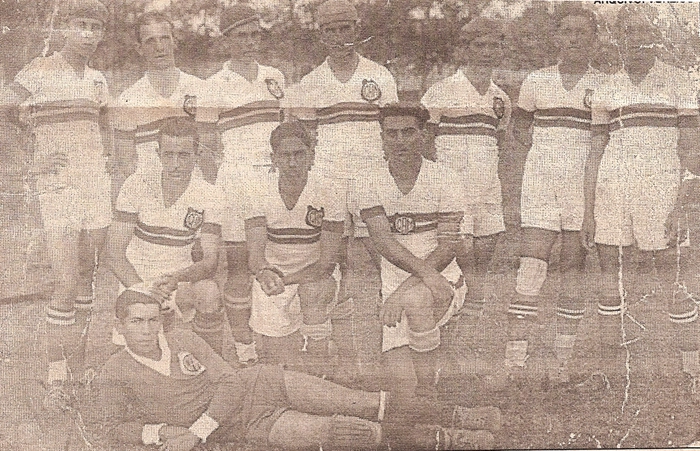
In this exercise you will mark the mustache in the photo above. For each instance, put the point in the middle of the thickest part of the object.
(348, 44)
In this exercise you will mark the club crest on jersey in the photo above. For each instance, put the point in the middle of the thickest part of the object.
(314, 216)
(194, 218)
(274, 88)
(499, 107)
(370, 91)
(190, 105)
(189, 365)
(404, 224)
(588, 98)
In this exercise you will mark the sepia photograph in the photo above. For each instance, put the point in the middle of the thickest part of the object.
(237, 225)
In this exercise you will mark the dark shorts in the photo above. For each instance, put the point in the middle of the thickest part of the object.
(264, 402)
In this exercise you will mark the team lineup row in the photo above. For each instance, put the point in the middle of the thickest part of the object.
(278, 177)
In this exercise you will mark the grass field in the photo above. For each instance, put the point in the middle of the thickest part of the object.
(646, 405)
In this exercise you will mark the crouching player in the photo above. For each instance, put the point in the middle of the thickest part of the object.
(157, 221)
(171, 389)
(294, 228)
(412, 212)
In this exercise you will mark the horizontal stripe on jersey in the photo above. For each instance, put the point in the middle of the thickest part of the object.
(348, 112)
(164, 236)
(408, 223)
(147, 132)
(643, 115)
(563, 117)
(65, 111)
(473, 124)
(293, 235)
(250, 113)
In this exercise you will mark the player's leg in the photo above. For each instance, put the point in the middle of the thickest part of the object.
(237, 300)
(571, 305)
(536, 247)
(610, 298)
(689, 263)
(314, 298)
(208, 320)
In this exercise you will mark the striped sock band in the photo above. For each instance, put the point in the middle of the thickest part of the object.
(59, 317)
(685, 317)
(84, 302)
(609, 310)
(522, 310)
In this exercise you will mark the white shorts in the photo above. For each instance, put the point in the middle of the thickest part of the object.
(392, 278)
(634, 198)
(482, 220)
(230, 180)
(78, 208)
(552, 189)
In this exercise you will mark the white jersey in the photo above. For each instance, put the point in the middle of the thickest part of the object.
(349, 134)
(245, 113)
(643, 119)
(467, 124)
(140, 107)
(64, 110)
(164, 236)
(293, 236)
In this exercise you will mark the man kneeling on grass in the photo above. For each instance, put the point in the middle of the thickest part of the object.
(171, 389)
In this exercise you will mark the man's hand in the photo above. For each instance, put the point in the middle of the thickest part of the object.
(390, 313)
(676, 226)
(165, 282)
(588, 232)
(271, 283)
(49, 163)
(183, 442)
(439, 286)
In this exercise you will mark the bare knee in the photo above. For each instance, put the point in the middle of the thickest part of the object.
(420, 309)
(207, 297)
(537, 243)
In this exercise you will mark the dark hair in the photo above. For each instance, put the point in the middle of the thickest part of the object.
(131, 297)
(405, 109)
(642, 13)
(180, 127)
(480, 26)
(567, 9)
(150, 18)
(292, 129)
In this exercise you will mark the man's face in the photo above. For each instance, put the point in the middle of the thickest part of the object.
(157, 45)
(574, 38)
(82, 35)
(177, 156)
(483, 51)
(638, 44)
(402, 138)
(292, 157)
(243, 41)
(140, 328)
(336, 34)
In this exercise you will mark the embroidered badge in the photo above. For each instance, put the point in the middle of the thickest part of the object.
(274, 88)
(314, 217)
(588, 98)
(404, 224)
(370, 90)
(194, 218)
(189, 365)
(190, 105)
(499, 107)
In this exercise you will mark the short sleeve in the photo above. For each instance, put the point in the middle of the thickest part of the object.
(129, 195)
(208, 108)
(600, 114)
(214, 206)
(32, 75)
(431, 101)
(527, 97)
(686, 95)
(390, 94)
(331, 196)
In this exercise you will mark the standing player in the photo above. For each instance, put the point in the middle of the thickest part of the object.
(66, 99)
(471, 115)
(163, 91)
(645, 133)
(294, 227)
(247, 110)
(555, 104)
(411, 208)
(157, 220)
